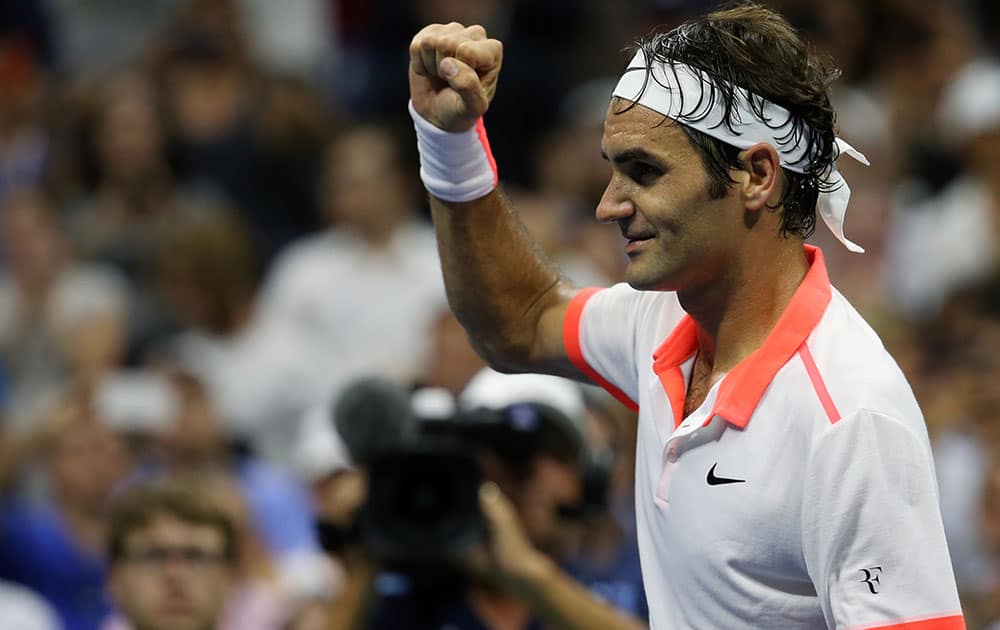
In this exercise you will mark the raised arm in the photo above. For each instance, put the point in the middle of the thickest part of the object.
(510, 301)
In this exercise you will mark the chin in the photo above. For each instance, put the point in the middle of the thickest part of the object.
(642, 278)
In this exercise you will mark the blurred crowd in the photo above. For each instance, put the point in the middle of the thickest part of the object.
(211, 223)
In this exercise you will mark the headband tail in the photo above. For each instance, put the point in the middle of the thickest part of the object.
(832, 206)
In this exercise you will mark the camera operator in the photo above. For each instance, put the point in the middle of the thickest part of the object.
(513, 578)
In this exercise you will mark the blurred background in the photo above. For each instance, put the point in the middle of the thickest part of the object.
(211, 222)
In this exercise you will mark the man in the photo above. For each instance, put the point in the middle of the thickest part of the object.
(382, 260)
(173, 557)
(784, 476)
(54, 544)
(528, 440)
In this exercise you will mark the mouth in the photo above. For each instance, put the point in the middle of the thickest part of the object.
(635, 244)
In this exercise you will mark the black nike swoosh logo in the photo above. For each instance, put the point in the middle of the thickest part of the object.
(718, 481)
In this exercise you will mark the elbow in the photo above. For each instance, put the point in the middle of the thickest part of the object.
(504, 357)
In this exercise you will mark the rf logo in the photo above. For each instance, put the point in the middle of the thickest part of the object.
(871, 578)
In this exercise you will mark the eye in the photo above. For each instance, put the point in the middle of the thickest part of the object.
(643, 173)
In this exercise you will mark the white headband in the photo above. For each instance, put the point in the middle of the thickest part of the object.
(685, 94)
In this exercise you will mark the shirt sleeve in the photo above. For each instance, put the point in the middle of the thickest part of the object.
(602, 338)
(873, 540)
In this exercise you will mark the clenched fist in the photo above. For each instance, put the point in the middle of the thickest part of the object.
(453, 74)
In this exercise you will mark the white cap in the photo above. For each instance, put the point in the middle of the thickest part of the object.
(492, 390)
(970, 104)
(319, 449)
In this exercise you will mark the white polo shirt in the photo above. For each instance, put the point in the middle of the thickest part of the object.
(800, 494)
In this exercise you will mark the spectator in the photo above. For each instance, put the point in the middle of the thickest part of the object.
(949, 239)
(274, 505)
(132, 197)
(55, 546)
(452, 361)
(132, 180)
(177, 101)
(173, 557)
(207, 269)
(24, 140)
(59, 320)
(532, 486)
(584, 537)
(224, 119)
(294, 37)
(97, 37)
(362, 294)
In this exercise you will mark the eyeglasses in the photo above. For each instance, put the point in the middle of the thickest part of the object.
(158, 557)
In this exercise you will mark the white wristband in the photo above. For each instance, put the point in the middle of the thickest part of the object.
(454, 167)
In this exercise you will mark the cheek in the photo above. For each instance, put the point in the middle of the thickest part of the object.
(561, 482)
(216, 590)
(132, 592)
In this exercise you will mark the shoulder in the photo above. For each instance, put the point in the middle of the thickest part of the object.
(301, 261)
(860, 387)
(416, 243)
(311, 249)
(642, 306)
(22, 608)
(856, 367)
(646, 316)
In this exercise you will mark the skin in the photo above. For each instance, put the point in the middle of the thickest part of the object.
(176, 595)
(732, 269)
(725, 258)
(677, 236)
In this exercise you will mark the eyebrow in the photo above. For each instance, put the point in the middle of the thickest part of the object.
(634, 155)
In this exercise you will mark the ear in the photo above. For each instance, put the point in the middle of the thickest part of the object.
(760, 179)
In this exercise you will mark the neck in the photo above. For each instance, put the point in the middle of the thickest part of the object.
(378, 236)
(736, 312)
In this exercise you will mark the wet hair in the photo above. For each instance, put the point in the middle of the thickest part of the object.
(745, 45)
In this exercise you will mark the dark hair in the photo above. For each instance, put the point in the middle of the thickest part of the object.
(141, 504)
(206, 243)
(749, 46)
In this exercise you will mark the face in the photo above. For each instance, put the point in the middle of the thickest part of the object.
(129, 138)
(30, 240)
(172, 576)
(452, 360)
(364, 188)
(86, 463)
(551, 484)
(677, 236)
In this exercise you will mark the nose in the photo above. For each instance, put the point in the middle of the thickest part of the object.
(615, 204)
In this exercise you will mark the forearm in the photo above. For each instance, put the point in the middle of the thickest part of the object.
(499, 284)
(564, 603)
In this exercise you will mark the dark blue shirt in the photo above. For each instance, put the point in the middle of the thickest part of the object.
(36, 550)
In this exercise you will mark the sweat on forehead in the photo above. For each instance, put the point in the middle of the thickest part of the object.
(738, 117)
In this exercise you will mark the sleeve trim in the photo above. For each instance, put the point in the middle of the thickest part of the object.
(574, 349)
(949, 622)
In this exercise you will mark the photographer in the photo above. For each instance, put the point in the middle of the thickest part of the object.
(530, 453)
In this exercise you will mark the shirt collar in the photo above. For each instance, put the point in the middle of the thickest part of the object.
(743, 387)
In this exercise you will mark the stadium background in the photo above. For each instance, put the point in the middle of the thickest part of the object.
(210, 221)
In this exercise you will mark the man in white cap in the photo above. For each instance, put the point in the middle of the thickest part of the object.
(783, 476)
(526, 432)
